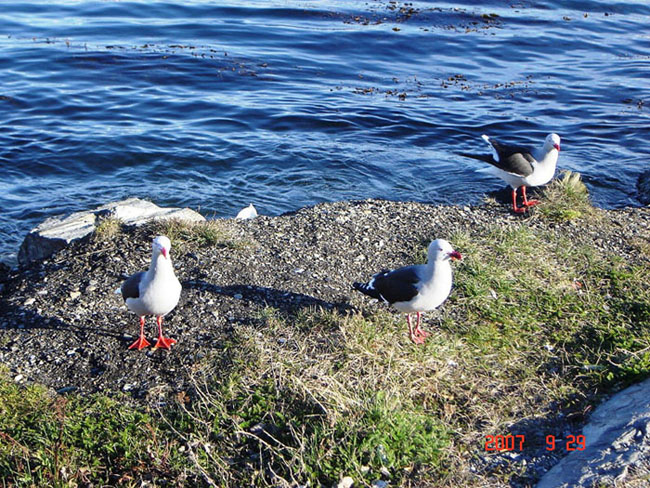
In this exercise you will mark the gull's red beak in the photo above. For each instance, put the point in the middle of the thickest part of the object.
(163, 250)
(556, 146)
(455, 255)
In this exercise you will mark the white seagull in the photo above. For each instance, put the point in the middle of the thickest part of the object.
(520, 167)
(153, 292)
(417, 288)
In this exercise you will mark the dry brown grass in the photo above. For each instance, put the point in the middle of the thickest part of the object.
(107, 228)
(185, 234)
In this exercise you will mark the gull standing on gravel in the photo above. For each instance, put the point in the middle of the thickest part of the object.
(520, 167)
(153, 292)
(417, 288)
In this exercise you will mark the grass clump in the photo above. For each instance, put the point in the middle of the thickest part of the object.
(60, 441)
(566, 198)
(107, 228)
(209, 233)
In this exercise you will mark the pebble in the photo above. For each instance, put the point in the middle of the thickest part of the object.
(66, 389)
(346, 482)
(29, 301)
(75, 294)
(379, 484)
(381, 452)
(18, 378)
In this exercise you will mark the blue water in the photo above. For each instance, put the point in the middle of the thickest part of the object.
(286, 104)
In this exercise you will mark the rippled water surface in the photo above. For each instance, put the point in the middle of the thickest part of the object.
(286, 104)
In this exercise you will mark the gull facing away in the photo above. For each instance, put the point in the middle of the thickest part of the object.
(417, 288)
(153, 292)
(520, 167)
(247, 213)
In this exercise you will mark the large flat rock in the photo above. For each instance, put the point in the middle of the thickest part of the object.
(57, 232)
(617, 437)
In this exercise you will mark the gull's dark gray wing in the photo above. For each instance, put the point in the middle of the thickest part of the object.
(399, 285)
(512, 159)
(131, 286)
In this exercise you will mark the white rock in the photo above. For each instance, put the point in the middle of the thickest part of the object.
(247, 213)
(57, 232)
(346, 482)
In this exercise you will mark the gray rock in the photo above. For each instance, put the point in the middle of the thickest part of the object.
(57, 232)
(643, 187)
(617, 438)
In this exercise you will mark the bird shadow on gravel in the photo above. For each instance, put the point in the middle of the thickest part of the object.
(262, 296)
(29, 319)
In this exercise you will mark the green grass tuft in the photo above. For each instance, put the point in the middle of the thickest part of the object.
(71, 441)
(196, 234)
(566, 198)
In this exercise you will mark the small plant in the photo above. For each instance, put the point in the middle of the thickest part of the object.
(107, 228)
(566, 198)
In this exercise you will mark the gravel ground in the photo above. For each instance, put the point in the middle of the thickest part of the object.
(62, 325)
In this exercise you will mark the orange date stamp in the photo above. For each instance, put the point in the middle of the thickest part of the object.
(516, 442)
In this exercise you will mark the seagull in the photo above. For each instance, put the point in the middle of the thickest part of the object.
(153, 292)
(417, 288)
(520, 167)
(247, 213)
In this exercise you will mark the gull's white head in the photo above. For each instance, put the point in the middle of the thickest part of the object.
(161, 245)
(552, 142)
(440, 249)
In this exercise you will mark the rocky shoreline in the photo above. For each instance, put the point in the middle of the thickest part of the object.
(62, 325)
